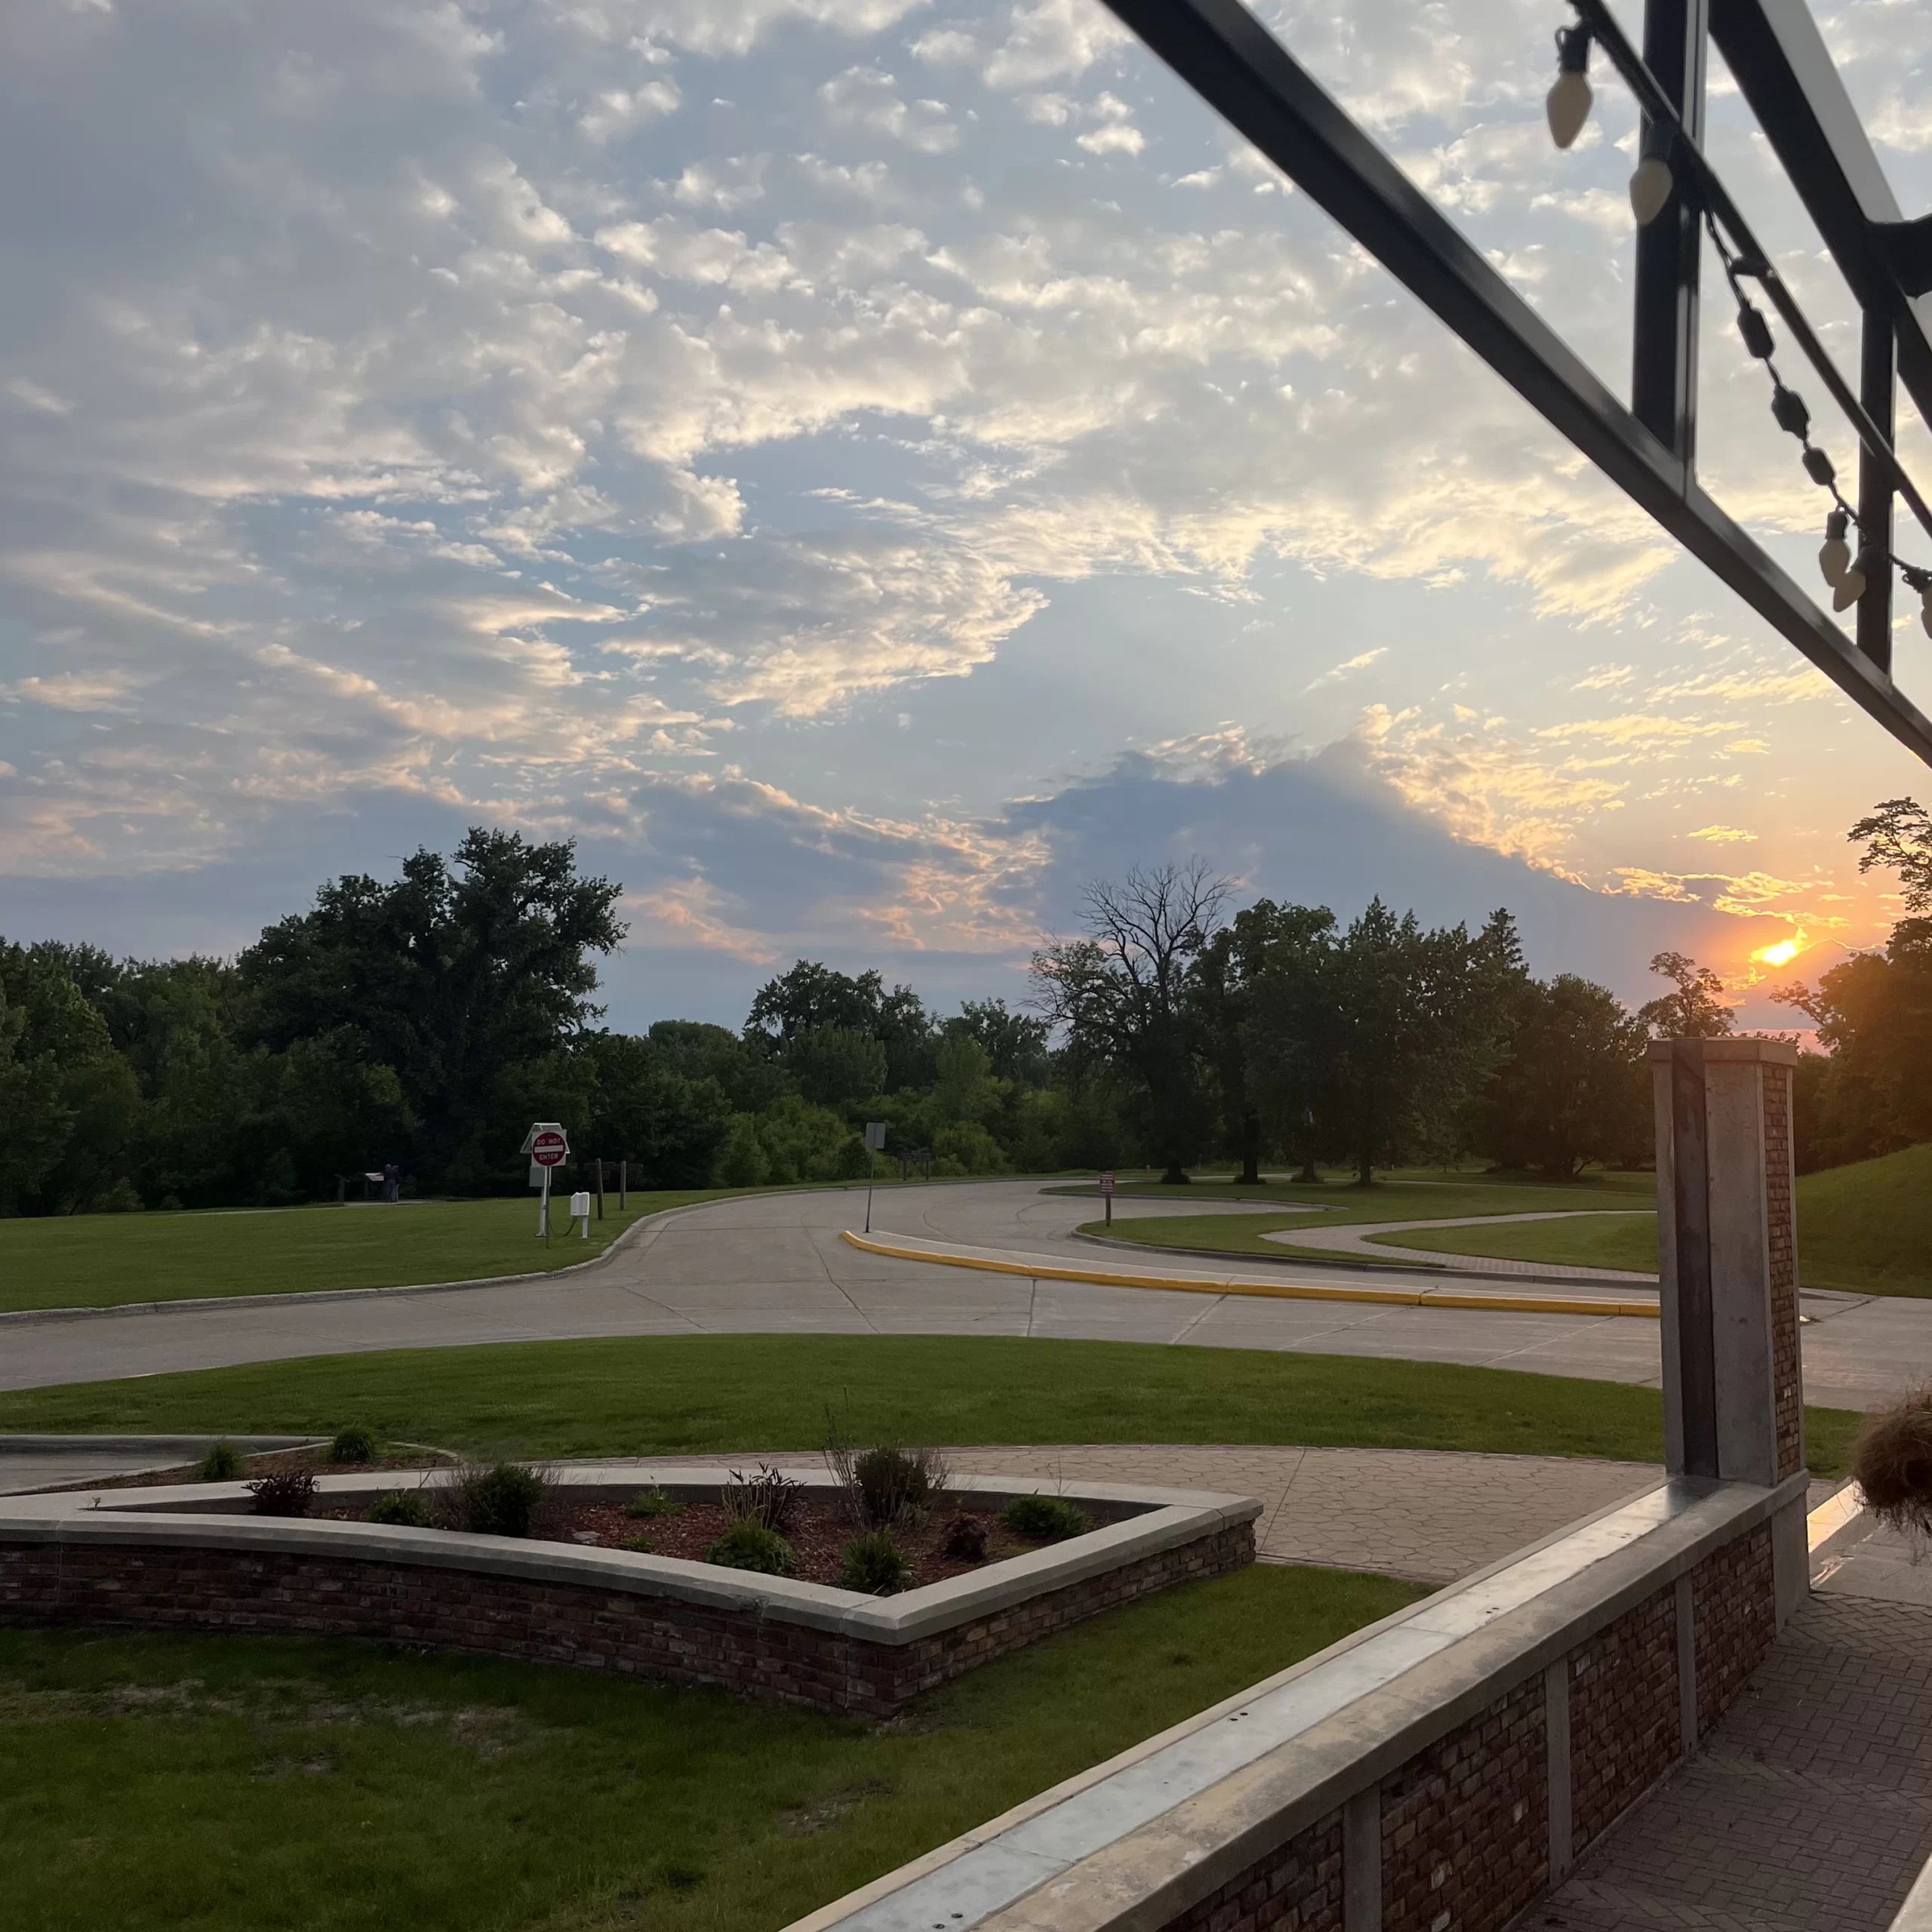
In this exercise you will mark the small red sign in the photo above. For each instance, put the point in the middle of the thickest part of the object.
(1107, 1184)
(548, 1150)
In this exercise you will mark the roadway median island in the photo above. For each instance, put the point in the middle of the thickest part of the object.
(1501, 1300)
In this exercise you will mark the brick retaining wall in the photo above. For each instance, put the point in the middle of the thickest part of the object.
(299, 1593)
(1626, 1729)
(1438, 1772)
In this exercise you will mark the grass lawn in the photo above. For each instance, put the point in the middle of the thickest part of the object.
(1866, 1227)
(202, 1784)
(101, 1260)
(1605, 1240)
(1337, 1204)
(674, 1394)
(1410, 1192)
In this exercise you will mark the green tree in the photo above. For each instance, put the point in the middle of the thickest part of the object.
(963, 1089)
(451, 974)
(668, 1125)
(838, 1067)
(70, 1102)
(1898, 836)
(1573, 1087)
(1416, 1026)
(1695, 1010)
(1121, 993)
(810, 998)
(1261, 1004)
(1015, 1043)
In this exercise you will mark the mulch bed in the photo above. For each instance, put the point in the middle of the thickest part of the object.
(820, 1530)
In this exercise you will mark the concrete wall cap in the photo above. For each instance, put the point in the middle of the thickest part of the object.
(1155, 1831)
(1775, 1052)
(214, 1515)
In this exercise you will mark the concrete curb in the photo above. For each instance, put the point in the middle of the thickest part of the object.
(1286, 1291)
(1295, 1257)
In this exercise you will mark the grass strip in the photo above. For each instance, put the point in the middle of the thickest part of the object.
(178, 1784)
(679, 1394)
(106, 1260)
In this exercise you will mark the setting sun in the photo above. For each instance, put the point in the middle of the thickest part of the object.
(1782, 954)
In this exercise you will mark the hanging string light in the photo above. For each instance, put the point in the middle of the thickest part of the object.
(1652, 186)
(1848, 576)
(1567, 103)
(1651, 189)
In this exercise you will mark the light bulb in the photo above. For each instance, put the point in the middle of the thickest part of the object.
(1849, 588)
(1568, 104)
(1651, 189)
(1835, 555)
(1925, 610)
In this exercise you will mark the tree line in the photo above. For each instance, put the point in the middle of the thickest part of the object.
(428, 1019)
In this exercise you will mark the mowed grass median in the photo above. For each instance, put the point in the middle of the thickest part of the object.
(1865, 1227)
(109, 1260)
(648, 1395)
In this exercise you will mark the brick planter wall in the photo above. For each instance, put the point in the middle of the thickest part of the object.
(298, 1593)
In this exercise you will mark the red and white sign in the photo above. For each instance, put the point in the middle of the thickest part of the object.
(548, 1149)
(1107, 1184)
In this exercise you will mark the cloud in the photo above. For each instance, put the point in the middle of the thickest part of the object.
(415, 411)
(1360, 662)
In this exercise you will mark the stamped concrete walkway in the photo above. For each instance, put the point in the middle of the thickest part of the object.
(1430, 1515)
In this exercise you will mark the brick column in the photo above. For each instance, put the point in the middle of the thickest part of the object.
(1727, 1264)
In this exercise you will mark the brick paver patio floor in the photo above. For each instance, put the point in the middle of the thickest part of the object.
(1809, 1806)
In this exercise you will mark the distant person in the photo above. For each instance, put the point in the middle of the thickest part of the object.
(392, 1181)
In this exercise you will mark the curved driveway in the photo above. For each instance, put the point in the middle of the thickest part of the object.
(775, 1264)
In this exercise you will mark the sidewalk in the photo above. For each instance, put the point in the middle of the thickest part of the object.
(1810, 1805)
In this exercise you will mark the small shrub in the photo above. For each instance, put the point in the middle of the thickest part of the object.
(284, 1492)
(652, 1503)
(747, 1546)
(503, 1500)
(221, 1464)
(874, 1563)
(965, 1539)
(407, 1507)
(1891, 1462)
(889, 1482)
(352, 1445)
(643, 1545)
(769, 1501)
(1045, 1518)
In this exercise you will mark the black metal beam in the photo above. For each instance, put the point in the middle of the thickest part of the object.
(1878, 390)
(1778, 60)
(1664, 355)
(1222, 51)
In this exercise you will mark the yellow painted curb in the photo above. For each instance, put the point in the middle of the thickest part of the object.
(1282, 1291)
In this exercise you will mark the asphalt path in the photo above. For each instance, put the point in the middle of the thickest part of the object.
(775, 1264)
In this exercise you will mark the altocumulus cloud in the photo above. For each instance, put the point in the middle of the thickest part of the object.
(581, 416)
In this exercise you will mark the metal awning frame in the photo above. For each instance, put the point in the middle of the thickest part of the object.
(1774, 48)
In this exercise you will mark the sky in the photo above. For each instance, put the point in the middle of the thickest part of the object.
(865, 468)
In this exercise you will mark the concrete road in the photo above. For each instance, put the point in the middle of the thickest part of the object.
(775, 1264)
